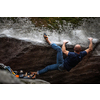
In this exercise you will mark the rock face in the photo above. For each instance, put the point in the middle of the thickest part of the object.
(7, 78)
(23, 55)
(34, 81)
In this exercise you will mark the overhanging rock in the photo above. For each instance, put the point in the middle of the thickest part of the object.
(28, 56)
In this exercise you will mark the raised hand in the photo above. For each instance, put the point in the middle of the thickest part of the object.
(65, 41)
(90, 39)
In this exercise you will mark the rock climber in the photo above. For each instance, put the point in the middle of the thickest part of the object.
(72, 59)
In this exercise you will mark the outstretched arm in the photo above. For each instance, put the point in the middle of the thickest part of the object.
(90, 46)
(64, 48)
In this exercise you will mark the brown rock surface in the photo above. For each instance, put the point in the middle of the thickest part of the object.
(24, 55)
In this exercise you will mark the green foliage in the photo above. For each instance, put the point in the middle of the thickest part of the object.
(52, 21)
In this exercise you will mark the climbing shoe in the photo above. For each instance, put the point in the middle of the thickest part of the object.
(45, 36)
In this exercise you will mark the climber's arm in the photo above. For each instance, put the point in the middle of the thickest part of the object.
(90, 46)
(64, 48)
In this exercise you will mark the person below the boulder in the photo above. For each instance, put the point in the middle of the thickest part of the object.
(72, 59)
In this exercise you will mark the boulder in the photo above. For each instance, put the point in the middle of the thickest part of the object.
(27, 56)
(8, 78)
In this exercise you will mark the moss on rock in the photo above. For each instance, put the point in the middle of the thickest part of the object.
(49, 22)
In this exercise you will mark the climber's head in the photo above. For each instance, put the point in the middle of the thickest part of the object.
(77, 48)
